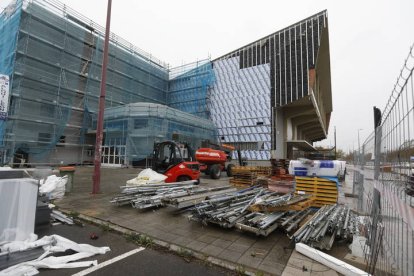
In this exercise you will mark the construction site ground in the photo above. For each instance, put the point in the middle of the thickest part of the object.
(170, 228)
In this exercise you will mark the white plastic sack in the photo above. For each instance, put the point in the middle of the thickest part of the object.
(53, 186)
(52, 244)
(147, 176)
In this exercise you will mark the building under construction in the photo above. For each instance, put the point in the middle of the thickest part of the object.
(269, 96)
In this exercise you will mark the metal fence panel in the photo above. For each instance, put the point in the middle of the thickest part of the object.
(384, 182)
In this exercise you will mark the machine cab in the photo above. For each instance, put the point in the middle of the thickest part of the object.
(168, 154)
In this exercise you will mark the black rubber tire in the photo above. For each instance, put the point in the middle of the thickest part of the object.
(207, 171)
(215, 171)
(229, 170)
(182, 178)
(198, 181)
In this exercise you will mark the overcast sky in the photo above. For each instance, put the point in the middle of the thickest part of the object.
(369, 41)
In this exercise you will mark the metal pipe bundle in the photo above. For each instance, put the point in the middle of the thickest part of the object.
(226, 210)
(330, 222)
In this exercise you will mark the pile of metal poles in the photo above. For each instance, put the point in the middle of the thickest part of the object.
(178, 195)
(328, 223)
(184, 199)
(227, 210)
(149, 193)
(260, 223)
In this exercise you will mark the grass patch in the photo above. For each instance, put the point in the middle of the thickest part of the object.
(74, 214)
(105, 227)
(240, 270)
(185, 254)
(139, 239)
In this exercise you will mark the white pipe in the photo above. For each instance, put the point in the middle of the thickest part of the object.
(329, 261)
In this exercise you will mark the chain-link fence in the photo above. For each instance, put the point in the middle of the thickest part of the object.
(384, 182)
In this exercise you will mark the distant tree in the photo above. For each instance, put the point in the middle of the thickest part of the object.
(349, 158)
(340, 154)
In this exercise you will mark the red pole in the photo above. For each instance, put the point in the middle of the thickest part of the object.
(99, 128)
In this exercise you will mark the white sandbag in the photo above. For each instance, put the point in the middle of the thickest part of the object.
(147, 176)
(53, 186)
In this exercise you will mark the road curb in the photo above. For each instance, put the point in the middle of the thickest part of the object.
(239, 269)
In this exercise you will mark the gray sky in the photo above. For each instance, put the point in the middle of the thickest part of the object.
(369, 41)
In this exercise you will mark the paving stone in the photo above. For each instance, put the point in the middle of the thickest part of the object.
(207, 238)
(197, 245)
(272, 268)
(248, 260)
(221, 243)
(180, 232)
(290, 271)
(230, 236)
(212, 250)
(238, 247)
(182, 241)
(170, 237)
(246, 241)
(230, 255)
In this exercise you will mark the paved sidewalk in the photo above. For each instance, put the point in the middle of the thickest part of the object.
(245, 251)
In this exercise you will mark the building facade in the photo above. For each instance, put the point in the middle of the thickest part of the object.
(265, 98)
(279, 89)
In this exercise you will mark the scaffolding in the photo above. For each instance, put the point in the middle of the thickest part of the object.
(53, 57)
(137, 126)
(188, 87)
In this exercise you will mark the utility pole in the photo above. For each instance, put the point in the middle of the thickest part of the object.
(99, 127)
(335, 141)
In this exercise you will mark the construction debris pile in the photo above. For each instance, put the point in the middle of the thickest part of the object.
(260, 211)
(226, 210)
(178, 195)
(328, 223)
(238, 210)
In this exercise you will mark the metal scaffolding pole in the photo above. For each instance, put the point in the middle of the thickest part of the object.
(99, 127)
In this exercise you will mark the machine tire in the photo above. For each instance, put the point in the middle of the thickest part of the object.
(198, 181)
(229, 170)
(215, 171)
(207, 171)
(182, 178)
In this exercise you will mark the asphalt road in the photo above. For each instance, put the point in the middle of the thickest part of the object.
(145, 262)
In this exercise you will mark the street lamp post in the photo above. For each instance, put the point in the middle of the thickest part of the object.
(359, 147)
(359, 144)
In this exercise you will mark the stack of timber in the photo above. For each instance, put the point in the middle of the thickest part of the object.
(324, 191)
(246, 176)
(279, 166)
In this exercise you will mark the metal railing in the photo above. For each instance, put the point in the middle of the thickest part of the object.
(384, 182)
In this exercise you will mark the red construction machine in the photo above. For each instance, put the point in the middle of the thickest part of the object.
(176, 161)
(213, 160)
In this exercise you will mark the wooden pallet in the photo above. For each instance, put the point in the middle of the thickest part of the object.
(259, 170)
(325, 191)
